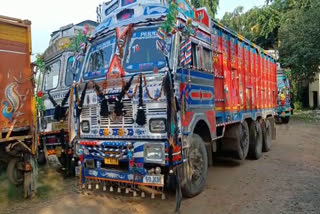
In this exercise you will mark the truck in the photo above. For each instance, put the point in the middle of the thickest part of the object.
(61, 69)
(164, 89)
(284, 109)
(17, 118)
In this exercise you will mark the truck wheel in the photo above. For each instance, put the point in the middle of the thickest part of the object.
(244, 141)
(267, 136)
(285, 120)
(197, 168)
(41, 158)
(255, 148)
(15, 176)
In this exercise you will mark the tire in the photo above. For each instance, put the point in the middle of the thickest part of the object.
(197, 168)
(285, 120)
(244, 141)
(15, 176)
(256, 142)
(267, 135)
(41, 159)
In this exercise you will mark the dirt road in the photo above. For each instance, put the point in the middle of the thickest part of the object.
(284, 180)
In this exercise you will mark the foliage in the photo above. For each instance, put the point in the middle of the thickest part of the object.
(299, 35)
(259, 25)
(39, 62)
(76, 42)
(211, 5)
(169, 24)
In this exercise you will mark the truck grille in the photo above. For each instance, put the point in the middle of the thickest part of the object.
(123, 122)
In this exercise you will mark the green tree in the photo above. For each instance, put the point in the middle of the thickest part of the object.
(299, 36)
(259, 25)
(211, 5)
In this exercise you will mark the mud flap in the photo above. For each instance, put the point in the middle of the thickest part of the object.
(29, 184)
(209, 152)
(273, 127)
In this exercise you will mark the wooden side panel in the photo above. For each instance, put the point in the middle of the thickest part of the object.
(218, 68)
(16, 89)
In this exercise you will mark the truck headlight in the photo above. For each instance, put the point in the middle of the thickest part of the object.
(154, 153)
(85, 126)
(157, 125)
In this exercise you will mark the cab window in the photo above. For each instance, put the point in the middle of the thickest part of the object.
(72, 71)
(51, 76)
(206, 59)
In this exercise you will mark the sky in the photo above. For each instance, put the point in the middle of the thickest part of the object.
(49, 15)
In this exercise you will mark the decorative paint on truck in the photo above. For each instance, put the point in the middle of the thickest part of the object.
(17, 117)
(176, 93)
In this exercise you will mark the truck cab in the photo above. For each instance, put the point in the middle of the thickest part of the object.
(60, 71)
(284, 108)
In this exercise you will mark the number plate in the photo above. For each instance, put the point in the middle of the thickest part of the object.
(111, 161)
(153, 179)
(58, 151)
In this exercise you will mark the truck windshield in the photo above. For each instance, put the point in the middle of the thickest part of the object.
(99, 58)
(72, 71)
(51, 76)
(143, 54)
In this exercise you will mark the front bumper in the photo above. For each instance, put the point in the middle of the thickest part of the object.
(105, 175)
(284, 111)
(122, 162)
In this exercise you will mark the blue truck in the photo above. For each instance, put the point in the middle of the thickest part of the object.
(161, 90)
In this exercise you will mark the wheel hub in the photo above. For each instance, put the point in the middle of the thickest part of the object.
(196, 164)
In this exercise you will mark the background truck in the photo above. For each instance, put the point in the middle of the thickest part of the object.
(284, 101)
(61, 69)
(17, 117)
(163, 89)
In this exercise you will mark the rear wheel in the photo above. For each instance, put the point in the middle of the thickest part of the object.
(267, 135)
(15, 175)
(197, 168)
(244, 141)
(255, 149)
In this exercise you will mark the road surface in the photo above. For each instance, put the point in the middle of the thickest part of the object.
(285, 180)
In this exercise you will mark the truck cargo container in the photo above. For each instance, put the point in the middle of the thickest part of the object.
(17, 118)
